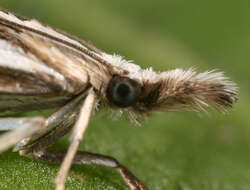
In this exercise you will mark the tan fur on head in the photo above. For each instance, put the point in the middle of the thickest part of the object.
(177, 90)
(174, 90)
(189, 90)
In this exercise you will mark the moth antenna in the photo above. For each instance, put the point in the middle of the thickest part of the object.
(197, 92)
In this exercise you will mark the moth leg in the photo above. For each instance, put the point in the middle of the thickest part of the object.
(57, 156)
(19, 129)
(76, 138)
(56, 126)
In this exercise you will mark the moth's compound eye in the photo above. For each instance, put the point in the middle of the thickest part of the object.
(123, 91)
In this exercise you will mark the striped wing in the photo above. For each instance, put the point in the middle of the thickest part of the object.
(41, 67)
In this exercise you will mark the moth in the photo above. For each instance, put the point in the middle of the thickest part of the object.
(42, 67)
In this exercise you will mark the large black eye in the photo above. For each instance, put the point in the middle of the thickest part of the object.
(123, 91)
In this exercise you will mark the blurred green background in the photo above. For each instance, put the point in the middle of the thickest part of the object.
(175, 151)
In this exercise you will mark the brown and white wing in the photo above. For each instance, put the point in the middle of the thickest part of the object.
(40, 67)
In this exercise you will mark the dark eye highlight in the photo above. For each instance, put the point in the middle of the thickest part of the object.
(123, 91)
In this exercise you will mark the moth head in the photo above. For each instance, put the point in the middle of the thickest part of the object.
(131, 97)
(137, 92)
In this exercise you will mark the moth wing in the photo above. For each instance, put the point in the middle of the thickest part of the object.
(42, 67)
(26, 83)
(36, 73)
